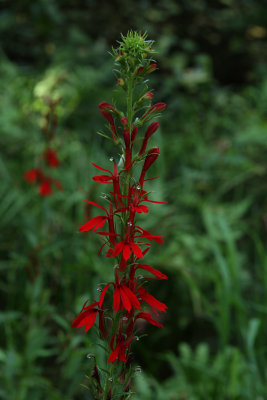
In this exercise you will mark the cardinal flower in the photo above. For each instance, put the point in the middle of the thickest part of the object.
(126, 247)
(87, 317)
(148, 268)
(123, 296)
(148, 318)
(97, 222)
(32, 175)
(51, 158)
(112, 178)
(120, 350)
(151, 300)
(45, 188)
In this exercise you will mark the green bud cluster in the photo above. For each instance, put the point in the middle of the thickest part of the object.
(134, 50)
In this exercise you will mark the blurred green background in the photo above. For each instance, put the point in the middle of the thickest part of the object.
(212, 57)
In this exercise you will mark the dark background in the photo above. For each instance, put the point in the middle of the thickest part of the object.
(212, 60)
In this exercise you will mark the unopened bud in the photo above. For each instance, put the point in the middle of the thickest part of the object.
(140, 70)
(124, 122)
(148, 96)
(151, 68)
(90, 355)
(121, 82)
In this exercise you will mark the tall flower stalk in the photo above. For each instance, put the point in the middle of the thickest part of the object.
(125, 300)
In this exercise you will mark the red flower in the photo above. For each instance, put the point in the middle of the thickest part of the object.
(32, 175)
(126, 247)
(113, 178)
(98, 222)
(151, 300)
(122, 345)
(148, 318)
(51, 158)
(45, 188)
(148, 235)
(153, 271)
(123, 297)
(87, 317)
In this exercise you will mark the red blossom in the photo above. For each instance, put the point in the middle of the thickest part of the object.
(51, 158)
(32, 175)
(151, 300)
(120, 350)
(45, 188)
(123, 296)
(87, 317)
(148, 318)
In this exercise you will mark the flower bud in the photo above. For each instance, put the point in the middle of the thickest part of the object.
(148, 96)
(140, 70)
(149, 132)
(151, 68)
(106, 107)
(156, 108)
(124, 122)
(151, 157)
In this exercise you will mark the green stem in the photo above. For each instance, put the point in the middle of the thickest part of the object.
(125, 192)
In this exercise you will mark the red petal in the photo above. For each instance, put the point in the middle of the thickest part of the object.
(153, 271)
(90, 320)
(132, 297)
(136, 249)
(149, 319)
(90, 224)
(116, 299)
(118, 249)
(102, 178)
(126, 252)
(151, 300)
(125, 300)
(122, 354)
(101, 299)
(141, 209)
(102, 169)
(97, 205)
(114, 354)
